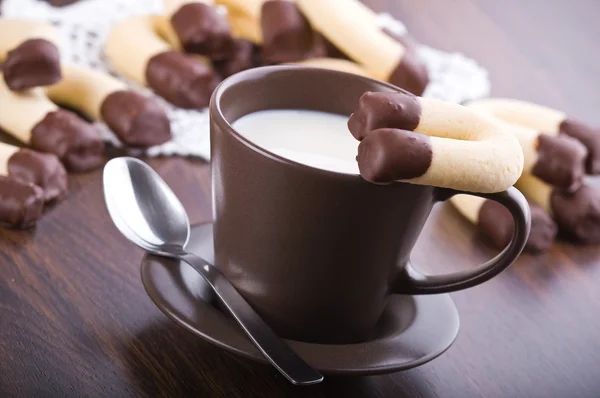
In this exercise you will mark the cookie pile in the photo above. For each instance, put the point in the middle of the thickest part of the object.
(185, 53)
(34, 83)
(559, 152)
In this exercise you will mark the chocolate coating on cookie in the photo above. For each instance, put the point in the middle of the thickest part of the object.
(73, 140)
(410, 74)
(137, 120)
(33, 63)
(387, 155)
(287, 34)
(202, 30)
(560, 161)
(496, 222)
(384, 110)
(41, 169)
(181, 79)
(543, 231)
(578, 213)
(21, 202)
(246, 55)
(589, 137)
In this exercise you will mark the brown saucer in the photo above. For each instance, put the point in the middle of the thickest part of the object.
(412, 330)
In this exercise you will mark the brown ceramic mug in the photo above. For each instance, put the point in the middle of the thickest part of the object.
(316, 252)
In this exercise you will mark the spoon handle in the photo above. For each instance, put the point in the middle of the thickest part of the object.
(283, 358)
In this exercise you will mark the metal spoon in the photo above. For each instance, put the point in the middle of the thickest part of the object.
(148, 213)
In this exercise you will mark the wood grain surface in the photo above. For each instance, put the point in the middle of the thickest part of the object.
(75, 320)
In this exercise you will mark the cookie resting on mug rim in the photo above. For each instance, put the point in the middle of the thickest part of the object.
(430, 142)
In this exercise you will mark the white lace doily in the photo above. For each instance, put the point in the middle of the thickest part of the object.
(85, 25)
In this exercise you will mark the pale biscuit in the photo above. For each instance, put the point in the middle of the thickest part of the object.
(547, 121)
(558, 160)
(576, 213)
(132, 43)
(352, 27)
(137, 120)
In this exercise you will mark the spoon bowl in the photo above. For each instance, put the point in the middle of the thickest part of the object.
(144, 208)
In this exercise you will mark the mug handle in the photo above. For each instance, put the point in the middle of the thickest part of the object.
(410, 281)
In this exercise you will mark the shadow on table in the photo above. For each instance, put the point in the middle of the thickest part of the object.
(166, 360)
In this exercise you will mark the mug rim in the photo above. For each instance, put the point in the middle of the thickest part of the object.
(216, 111)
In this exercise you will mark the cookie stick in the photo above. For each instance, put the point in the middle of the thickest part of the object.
(41, 169)
(21, 202)
(138, 121)
(33, 119)
(200, 28)
(556, 160)
(30, 52)
(165, 31)
(495, 222)
(135, 49)
(576, 213)
(547, 120)
(342, 23)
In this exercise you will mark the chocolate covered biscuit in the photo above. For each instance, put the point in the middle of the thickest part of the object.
(576, 213)
(495, 222)
(42, 169)
(202, 30)
(137, 51)
(72, 139)
(21, 202)
(137, 120)
(431, 142)
(181, 79)
(30, 53)
(34, 63)
(546, 120)
(36, 121)
(287, 34)
(354, 29)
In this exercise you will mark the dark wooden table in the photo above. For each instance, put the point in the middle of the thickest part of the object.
(75, 320)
